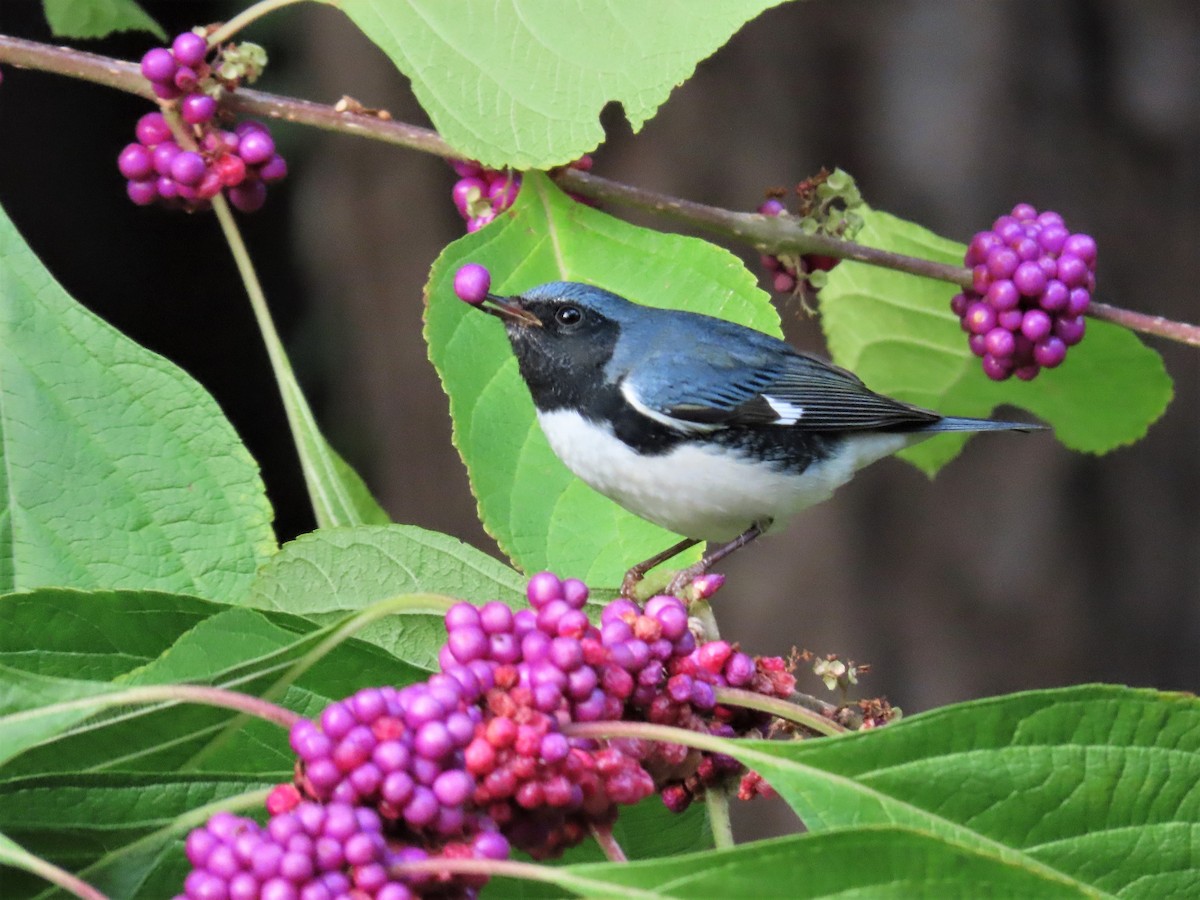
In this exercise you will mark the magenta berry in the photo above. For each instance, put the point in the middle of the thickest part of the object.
(159, 66)
(471, 285)
(189, 49)
(1033, 279)
(256, 147)
(196, 109)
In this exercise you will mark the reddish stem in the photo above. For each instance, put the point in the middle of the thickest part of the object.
(768, 233)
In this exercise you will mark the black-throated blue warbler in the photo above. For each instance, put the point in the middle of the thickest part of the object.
(705, 427)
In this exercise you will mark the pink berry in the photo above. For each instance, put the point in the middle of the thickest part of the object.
(471, 283)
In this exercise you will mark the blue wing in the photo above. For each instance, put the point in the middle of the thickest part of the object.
(738, 377)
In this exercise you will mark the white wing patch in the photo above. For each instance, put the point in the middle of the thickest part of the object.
(629, 392)
(789, 413)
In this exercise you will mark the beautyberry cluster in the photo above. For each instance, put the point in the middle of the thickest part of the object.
(481, 194)
(313, 851)
(481, 756)
(241, 162)
(826, 205)
(1032, 283)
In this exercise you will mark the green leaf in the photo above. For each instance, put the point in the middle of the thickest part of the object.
(119, 470)
(181, 639)
(540, 514)
(114, 830)
(896, 331)
(67, 633)
(1094, 785)
(522, 83)
(877, 862)
(98, 18)
(332, 572)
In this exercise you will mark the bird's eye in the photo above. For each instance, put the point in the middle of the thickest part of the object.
(568, 315)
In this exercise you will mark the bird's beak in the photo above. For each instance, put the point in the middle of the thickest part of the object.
(509, 308)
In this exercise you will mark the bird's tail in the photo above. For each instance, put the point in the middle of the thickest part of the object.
(961, 423)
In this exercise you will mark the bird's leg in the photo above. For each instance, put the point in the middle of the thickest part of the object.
(686, 576)
(630, 582)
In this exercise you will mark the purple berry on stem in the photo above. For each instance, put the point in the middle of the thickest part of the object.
(135, 162)
(1036, 324)
(1002, 294)
(1050, 352)
(771, 207)
(1010, 319)
(158, 65)
(466, 192)
(997, 369)
(980, 318)
(1070, 330)
(189, 48)
(999, 342)
(152, 129)
(165, 91)
(256, 146)
(142, 193)
(188, 167)
(471, 284)
(1055, 297)
(1082, 246)
(1078, 301)
(197, 109)
(1029, 279)
(249, 196)
(185, 79)
(1027, 373)
(274, 169)
(162, 156)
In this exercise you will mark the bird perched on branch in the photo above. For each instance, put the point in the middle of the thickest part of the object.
(710, 429)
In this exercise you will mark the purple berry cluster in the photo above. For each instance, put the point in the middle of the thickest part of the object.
(1032, 283)
(481, 194)
(787, 272)
(311, 852)
(479, 757)
(241, 162)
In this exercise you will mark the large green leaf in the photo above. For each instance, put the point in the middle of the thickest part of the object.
(541, 515)
(98, 18)
(522, 82)
(119, 470)
(896, 331)
(1097, 785)
(336, 571)
(876, 862)
(181, 639)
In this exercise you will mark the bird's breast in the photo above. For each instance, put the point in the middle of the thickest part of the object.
(698, 488)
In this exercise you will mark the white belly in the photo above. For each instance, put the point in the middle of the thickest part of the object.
(697, 491)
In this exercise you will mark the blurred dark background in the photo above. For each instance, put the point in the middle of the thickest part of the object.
(1023, 565)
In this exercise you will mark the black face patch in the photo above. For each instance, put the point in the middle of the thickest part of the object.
(563, 361)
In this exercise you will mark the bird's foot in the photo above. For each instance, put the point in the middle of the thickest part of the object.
(634, 576)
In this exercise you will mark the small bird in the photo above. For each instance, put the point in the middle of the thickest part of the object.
(710, 429)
